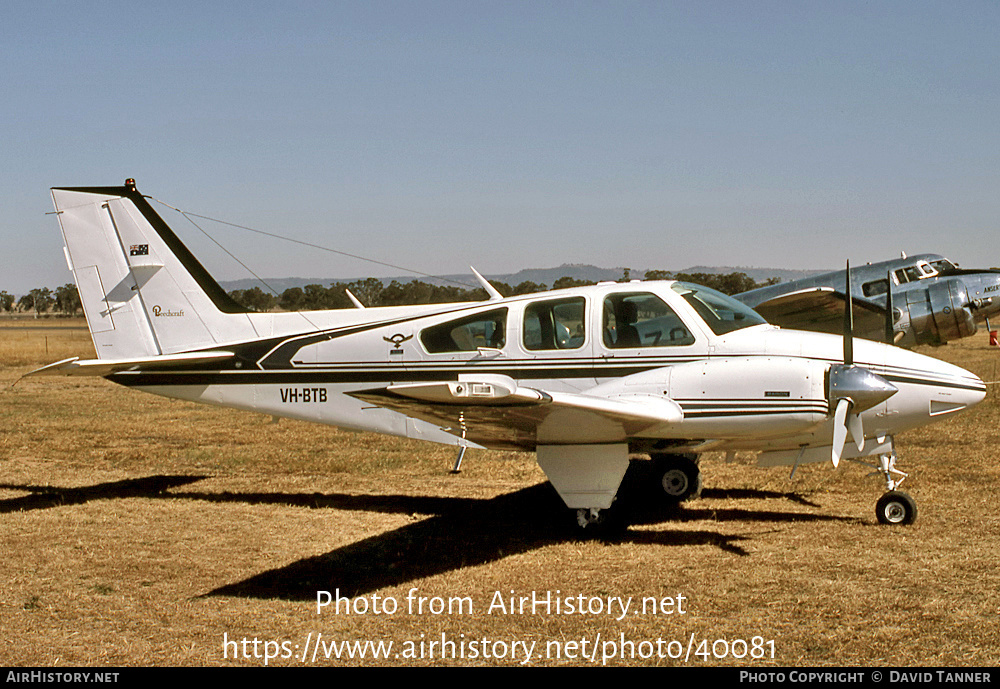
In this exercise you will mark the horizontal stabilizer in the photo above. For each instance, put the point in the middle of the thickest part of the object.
(105, 367)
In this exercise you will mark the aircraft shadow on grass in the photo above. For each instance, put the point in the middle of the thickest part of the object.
(44, 497)
(462, 532)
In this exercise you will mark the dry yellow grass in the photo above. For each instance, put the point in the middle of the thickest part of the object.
(144, 531)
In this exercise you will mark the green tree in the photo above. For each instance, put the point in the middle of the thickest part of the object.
(727, 283)
(68, 299)
(6, 301)
(292, 299)
(368, 291)
(564, 282)
(658, 275)
(38, 300)
(254, 299)
(316, 297)
(529, 287)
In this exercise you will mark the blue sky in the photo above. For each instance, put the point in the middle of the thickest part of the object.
(510, 135)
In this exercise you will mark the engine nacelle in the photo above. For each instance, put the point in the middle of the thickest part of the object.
(940, 313)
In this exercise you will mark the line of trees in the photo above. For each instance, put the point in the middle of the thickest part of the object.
(370, 291)
(64, 300)
(373, 292)
(727, 283)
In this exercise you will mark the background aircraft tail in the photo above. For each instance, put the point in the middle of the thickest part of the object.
(143, 293)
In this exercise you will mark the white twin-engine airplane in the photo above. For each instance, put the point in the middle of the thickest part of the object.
(584, 377)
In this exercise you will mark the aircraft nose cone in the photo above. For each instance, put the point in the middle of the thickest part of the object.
(977, 395)
(933, 386)
(966, 390)
(973, 394)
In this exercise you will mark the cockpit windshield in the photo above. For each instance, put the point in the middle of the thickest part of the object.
(944, 265)
(722, 313)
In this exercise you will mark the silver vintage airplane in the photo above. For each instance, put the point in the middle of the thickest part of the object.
(584, 377)
(921, 299)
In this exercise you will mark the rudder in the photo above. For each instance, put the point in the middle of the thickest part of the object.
(143, 293)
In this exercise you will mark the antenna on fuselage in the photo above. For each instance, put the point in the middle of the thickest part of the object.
(490, 289)
(354, 300)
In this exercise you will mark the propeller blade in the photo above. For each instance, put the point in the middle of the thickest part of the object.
(849, 321)
(890, 334)
(856, 429)
(839, 430)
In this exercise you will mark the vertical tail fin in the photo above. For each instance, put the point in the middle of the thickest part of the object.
(144, 294)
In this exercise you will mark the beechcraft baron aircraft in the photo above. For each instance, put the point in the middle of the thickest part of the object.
(584, 377)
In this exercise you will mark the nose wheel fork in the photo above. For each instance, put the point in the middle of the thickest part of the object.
(887, 468)
(895, 506)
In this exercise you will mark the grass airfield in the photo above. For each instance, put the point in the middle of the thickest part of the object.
(144, 531)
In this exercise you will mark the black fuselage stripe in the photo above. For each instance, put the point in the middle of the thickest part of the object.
(759, 412)
(414, 373)
(934, 383)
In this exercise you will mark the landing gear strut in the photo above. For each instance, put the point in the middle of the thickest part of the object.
(895, 507)
(589, 518)
(600, 523)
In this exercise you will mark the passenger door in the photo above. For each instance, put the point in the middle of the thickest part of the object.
(555, 344)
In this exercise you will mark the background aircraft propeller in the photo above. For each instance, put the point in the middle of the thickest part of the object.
(890, 333)
(853, 389)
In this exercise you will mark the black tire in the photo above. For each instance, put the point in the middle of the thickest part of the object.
(678, 476)
(896, 508)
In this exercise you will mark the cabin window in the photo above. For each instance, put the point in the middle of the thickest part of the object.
(641, 319)
(910, 274)
(554, 324)
(467, 334)
(876, 287)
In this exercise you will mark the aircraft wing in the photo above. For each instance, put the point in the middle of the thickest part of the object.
(495, 410)
(821, 309)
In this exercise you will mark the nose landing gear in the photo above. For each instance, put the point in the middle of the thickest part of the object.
(895, 507)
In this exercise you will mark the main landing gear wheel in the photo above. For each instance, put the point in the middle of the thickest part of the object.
(896, 507)
(679, 476)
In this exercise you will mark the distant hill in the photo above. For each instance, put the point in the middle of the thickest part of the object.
(545, 276)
